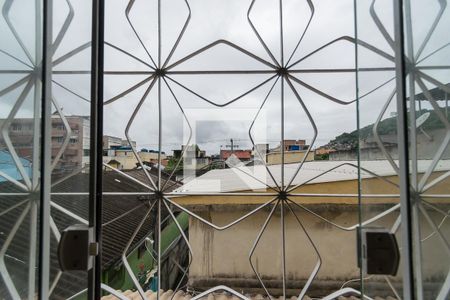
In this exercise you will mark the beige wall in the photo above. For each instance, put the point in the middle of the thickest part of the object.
(150, 156)
(372, 186)
(222, 256)
(225, 253)
(126, 162)
(369, 186)
(289, 157)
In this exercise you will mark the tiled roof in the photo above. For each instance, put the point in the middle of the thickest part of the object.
(115, 234)
(17, 254)
(243, 154)
(181, 295)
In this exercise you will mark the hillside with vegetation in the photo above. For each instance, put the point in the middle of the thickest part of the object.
(388, 126)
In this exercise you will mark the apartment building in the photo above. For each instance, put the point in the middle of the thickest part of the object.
(69, 140)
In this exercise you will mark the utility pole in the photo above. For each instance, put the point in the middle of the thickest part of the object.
(232, 145)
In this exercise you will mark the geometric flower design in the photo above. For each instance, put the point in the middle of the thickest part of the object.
(418, 67)
(28, 187)
(282, 70)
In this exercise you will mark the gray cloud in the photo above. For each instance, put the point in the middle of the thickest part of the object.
(213, 20)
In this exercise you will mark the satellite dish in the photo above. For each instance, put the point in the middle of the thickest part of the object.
(420, 120)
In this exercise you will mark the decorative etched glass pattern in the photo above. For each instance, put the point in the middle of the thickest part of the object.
(162, 63)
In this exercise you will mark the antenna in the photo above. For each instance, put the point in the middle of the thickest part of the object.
(232, 145)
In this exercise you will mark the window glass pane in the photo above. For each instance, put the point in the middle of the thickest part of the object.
(20, 103)
(427, 78)
(217, 125)
(21, 50)
(70, 132)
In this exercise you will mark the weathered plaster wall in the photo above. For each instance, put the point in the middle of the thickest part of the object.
(221, 257)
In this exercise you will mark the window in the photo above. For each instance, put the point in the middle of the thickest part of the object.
(58, 126)
(57, 139)
(16, 127)
(224, 67)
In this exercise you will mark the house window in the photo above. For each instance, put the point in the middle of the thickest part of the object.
(58, 126)
(16, 127)
(57, 139)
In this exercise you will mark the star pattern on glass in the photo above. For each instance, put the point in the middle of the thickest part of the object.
(29, 84)
(282, 70)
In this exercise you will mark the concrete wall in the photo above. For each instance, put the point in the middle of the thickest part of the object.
(150, 156)
(127, 162)
(365, 154)
(273, 158)
(225, 254)
(221, 257)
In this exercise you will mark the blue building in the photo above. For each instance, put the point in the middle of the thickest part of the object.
(8, 166)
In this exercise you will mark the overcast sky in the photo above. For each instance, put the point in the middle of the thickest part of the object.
(210, 21)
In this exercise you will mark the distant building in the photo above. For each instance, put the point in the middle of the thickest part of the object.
(151, 157)
(9, 168)
(215, 157)
(125, 156)
(189, 150)
(193, 157)
(292, 145)
(243, 155)
(296, 156)
(427, 143)
(118, 153)
(323, 150)
(70, 140)
(112, 142)
(260, 151)
(370, 150)
(294, 152)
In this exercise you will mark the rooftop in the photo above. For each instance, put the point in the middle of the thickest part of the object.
(242, 154)
(244, 178)
(118, 226)
(347, 294)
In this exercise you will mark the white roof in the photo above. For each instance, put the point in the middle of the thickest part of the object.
(256, 177)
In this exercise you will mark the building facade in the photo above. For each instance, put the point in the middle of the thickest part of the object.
(295, 156)
(243, 155)
(70, 138)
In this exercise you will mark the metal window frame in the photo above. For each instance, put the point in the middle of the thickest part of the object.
(95, 194)
(408, 206)
(96, 146)
(405, 204)
(45, 162)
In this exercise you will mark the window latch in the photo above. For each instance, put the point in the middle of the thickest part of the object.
(77, 248)
(379, 253)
